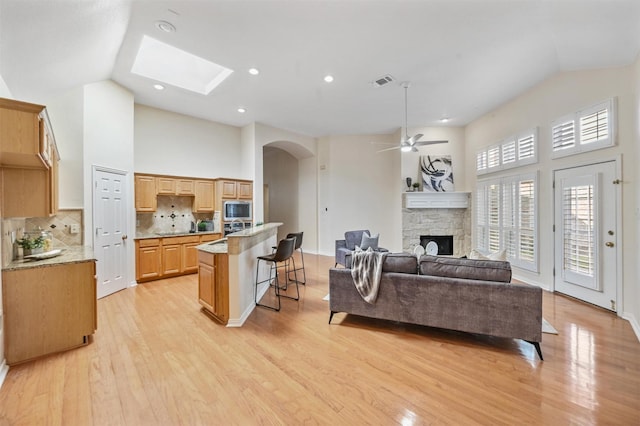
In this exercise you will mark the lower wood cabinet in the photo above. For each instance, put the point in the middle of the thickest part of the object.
(213, 284)
(48, 309)
(158, 258)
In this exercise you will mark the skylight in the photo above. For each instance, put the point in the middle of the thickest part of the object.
(161, 62)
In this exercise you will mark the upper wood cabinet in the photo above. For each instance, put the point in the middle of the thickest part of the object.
(165, 186)
(245, 190)
(204, 198)
(145, 189)
(228, 189)
(29, 161)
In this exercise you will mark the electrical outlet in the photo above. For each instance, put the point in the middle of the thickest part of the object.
(74, 228)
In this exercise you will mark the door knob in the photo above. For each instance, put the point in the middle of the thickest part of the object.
(608, 244)
(124, 236)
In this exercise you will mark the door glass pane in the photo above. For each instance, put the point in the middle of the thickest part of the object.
(579, 229)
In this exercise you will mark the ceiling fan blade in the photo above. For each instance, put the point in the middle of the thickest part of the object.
(417, 137)
(422, 143)
(390, 149)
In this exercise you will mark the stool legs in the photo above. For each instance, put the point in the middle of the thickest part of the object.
(276, 284)
(277, 288)
(304, 273)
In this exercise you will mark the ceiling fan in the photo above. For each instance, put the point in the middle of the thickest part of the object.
(410, 144)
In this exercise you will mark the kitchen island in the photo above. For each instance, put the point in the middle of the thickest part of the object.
(226, 272)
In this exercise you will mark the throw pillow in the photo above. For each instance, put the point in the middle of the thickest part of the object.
(369, 241)
(498, 255)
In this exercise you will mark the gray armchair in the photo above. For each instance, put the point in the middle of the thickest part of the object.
(345, 247)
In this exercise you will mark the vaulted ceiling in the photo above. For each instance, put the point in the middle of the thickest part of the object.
(463, 58)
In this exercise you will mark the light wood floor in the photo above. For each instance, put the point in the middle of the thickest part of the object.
(156, 359)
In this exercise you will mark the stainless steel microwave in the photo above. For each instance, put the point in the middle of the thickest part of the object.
(237, 210)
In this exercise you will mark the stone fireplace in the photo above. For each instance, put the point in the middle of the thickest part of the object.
(437, 214)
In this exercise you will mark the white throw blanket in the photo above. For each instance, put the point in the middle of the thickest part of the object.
(366, 269)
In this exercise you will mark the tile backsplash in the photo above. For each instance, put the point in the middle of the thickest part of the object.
(173, 214)
(59, 226)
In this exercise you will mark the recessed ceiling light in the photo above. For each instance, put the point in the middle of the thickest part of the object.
(254, 71)
(167, 64)
(444, 119)
(328, 78)
(242, 110)
(165, 26)
(158, 86)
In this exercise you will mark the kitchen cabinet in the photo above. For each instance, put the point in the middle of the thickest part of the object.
(165, 186)
(48, 309)
(228, 189)
(26, 139)
(145, 193)
(171, 259)
(174, 186)
(158, 258)
(148, 259)
(185, 187)
(213, 284)
(204, 196)
(245, 190)
(29, 161)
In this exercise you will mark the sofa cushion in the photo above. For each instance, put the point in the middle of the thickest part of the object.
(353, 238)
(404, 263)
(484, 270)
(496, 255)
(369, 241)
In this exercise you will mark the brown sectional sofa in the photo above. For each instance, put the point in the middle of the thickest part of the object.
(474, 296)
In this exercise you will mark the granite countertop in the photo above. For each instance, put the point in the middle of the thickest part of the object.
(255, 230)
(144, 236)
(74, 254)
(215, 247)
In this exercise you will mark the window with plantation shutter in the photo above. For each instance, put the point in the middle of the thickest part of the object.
(506, 218)
(514, 151)
(493, 157)
(508, 152)
(481, 161)
(563, 135)
(586, 130)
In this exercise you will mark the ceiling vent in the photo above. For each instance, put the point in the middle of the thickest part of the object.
(386, 79)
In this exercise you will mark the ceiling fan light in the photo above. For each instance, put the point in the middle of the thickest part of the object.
(405, 148)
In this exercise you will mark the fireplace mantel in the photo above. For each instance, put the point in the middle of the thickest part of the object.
(436, 200)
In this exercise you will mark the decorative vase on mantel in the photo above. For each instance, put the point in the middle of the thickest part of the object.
(409, 188)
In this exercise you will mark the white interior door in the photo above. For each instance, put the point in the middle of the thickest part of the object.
(110, 225)
(586, 233)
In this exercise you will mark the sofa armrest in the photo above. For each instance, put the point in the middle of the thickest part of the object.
(341, 252)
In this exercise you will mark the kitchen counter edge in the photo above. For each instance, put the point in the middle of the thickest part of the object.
(180, 234)
(74, 254)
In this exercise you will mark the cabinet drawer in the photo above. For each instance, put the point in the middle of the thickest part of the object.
(149, 242)
(181, 240)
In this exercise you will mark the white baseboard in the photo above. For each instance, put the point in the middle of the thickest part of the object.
(634, 323)
(238, 322)
(4, 369)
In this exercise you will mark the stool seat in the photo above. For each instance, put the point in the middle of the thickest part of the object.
(282, 256)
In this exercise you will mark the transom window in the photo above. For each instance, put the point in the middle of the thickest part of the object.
(514, 151)
(585, 130)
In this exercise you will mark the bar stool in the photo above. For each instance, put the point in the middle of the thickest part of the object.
(280, 258)
(298, 246)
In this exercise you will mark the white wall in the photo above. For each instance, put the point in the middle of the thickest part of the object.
(176, 144)
(303, 148)
(632, 305)
(281, 175)
(455, 148)
(359, 188)
(108, 142)
(67, 119)
(4, 89)
(560, 95)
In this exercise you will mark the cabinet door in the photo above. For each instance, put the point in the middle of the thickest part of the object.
(229, 189)
(53, 194)
(206, 293)
(148, 262)
(20, 134)
(221, 273)
(185, 187)
(190, 257)
(203, 201)
(165, 186)
(145, 189)
(171, 259)
(245, 190)
(25, 192)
